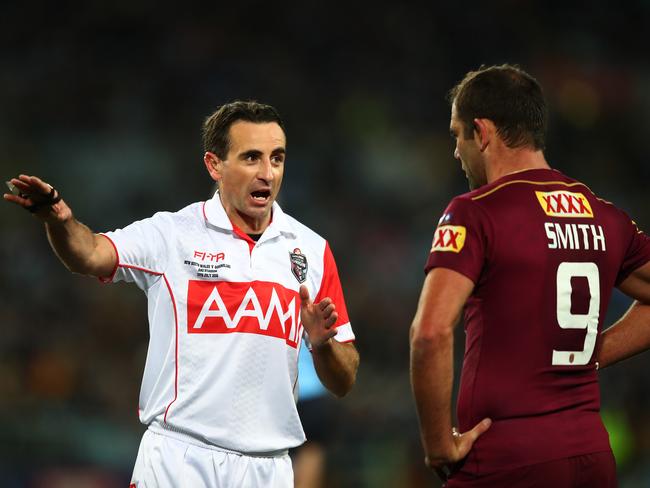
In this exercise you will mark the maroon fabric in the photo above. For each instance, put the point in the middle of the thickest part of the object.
(596, 470)
(514, 251)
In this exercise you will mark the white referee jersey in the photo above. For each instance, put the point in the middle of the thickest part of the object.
(224, 323)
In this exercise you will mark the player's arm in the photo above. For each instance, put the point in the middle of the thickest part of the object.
(631, 334)
(78, 248)
(336, 363)
(443, 296)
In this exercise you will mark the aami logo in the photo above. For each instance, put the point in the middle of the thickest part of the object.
(564, 204)
(449, 238)
(257, 307)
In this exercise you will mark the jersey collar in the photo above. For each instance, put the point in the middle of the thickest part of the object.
(216, 215)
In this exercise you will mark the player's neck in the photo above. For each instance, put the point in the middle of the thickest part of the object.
(515, 161)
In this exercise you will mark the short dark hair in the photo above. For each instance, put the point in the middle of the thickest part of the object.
(217, 126)
(509, 97)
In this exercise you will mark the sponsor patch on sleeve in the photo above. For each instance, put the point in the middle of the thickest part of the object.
(564, 204)
(449, 238)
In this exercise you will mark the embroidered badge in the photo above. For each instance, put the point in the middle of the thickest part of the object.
(565, 204)
(449, 238)
(298, 265)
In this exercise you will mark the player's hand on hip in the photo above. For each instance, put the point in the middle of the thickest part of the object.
(464, 441)
(317, 318)
(38, 197)
(462, 444)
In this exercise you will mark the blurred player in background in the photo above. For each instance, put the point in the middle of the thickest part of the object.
(229, 284)
(532, 256)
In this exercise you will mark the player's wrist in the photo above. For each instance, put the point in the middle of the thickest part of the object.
(437, 460)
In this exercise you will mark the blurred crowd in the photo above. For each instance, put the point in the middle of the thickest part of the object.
(106, 101)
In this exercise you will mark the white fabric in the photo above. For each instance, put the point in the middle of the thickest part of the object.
(224, 324)
(165, 462)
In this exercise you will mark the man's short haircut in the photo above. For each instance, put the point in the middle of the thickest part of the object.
(217, 126)
(509, 97)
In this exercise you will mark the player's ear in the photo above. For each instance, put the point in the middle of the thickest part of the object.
(483, 132)
(213, 164)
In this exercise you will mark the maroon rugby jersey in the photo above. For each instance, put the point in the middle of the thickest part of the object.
(544, 254)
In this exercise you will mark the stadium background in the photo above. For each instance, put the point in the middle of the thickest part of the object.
(106, 102)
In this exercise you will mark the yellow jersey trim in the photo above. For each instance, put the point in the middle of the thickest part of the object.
(568, 185)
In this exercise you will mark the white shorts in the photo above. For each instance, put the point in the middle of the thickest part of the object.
(166, 462)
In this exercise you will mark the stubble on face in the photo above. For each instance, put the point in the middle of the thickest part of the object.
(467, 152)
(251, 175)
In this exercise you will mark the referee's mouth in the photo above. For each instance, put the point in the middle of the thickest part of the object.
(261, 197)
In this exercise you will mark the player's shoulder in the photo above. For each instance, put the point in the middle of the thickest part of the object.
(548, 186)
(524, 181)
(573, 194)
(462, 204)
(464, 199)
(510, 193)
(557, 194)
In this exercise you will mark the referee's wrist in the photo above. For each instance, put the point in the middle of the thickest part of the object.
(322, 347)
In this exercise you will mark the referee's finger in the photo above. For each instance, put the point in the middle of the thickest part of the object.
(17, 199)
(324, 303)
(331, 320)
(27, 186)
(35, 180)
(19, 184)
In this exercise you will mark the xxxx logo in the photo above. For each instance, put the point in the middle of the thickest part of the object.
(564, 204)
(449, 238)
(257, 307)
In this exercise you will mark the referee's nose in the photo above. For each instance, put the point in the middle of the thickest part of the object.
(265, 170)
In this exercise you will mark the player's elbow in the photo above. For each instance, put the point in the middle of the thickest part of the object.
(431, 334)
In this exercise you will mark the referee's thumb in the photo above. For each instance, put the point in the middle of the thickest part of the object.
(304, 296)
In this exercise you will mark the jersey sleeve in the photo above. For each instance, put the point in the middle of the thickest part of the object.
(331, 287)
(142, 251)
(637, 253)
(460, 240)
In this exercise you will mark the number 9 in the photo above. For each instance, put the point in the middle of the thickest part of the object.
(567, 320)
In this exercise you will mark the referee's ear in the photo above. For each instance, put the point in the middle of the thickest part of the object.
(213, 165)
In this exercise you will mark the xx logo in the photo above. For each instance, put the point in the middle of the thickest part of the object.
(449, 238)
